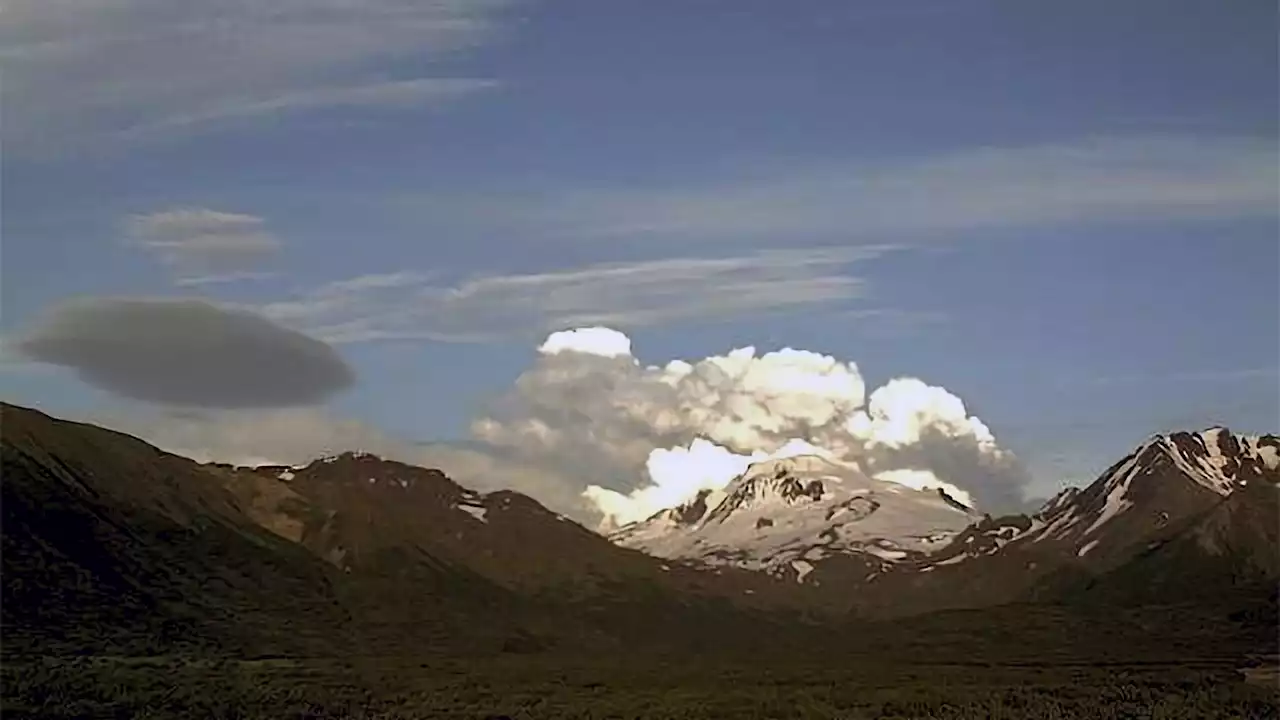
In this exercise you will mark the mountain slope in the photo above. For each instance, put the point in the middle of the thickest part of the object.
(114, 545)
(895, 551)
(1181, 492)
(784, 515)
(1147, 495)
(111, 544)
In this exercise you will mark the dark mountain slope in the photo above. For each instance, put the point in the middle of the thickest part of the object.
(113, 545)
(110, 544)
(1228, 553)
(1180, 514)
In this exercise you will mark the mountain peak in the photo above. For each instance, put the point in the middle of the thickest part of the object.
(348, 456)
(784, 514)
(792, 465)
(1214, 458)
(779, 483)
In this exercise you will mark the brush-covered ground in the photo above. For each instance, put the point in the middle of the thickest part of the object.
(593, 687)
(1014, 662)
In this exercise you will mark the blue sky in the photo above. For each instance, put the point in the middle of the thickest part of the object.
(1063, 213)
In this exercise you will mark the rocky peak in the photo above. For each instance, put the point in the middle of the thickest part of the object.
(784, 482)
(1215, 458)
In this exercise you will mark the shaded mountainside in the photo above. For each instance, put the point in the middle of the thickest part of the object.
(1180, 514)
(113, 545)
(364, 514)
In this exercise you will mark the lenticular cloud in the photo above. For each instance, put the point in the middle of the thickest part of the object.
(646, 437)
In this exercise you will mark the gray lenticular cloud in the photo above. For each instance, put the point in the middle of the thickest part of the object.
(186, 353)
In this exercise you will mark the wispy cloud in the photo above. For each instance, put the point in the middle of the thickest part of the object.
(387, 94)
(1127, 179)
(1230, 375)
(202, 246)
(408, 305)
(890, 322)
(223, 278)
(133, 68)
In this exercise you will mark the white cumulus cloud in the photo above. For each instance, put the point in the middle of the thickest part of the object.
(604, 342)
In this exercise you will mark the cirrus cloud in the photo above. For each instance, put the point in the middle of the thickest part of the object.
(202, 246)
(412, 305)
(131, 69)
(1085, 180)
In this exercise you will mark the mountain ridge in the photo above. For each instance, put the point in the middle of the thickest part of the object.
(110, 543)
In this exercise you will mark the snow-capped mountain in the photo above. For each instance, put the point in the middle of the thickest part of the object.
(795, 511)
(812, 518)
(1148, 494)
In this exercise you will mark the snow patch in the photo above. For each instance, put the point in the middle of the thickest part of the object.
(1212, 439)
(1116, 503)
(287, 475)
(1202, 470)
(1060, 525)
(474, 511)
(1087, 547)
(1270, 456)
(802, 569)
(883, 553)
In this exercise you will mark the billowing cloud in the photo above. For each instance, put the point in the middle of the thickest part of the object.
(605, 342)
(200, 245)
(185, 352)
(676, 474)
(644, 437)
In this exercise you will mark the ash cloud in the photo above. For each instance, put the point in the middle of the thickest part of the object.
(643, 437)
(186, 353)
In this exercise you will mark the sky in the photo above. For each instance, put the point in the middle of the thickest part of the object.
(257, 231)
